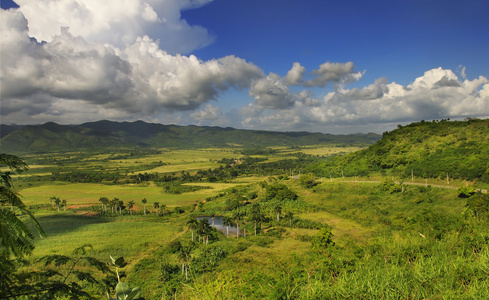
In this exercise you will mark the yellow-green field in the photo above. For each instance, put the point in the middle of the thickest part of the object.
(90, 193)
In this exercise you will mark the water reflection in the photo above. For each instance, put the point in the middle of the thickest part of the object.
(218, 224)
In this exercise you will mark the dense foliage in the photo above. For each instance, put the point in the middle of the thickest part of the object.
(458, 149)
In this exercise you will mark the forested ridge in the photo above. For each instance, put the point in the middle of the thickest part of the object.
(100, 135)
(458, 149)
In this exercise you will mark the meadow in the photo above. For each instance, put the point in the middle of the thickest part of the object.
(389, 240)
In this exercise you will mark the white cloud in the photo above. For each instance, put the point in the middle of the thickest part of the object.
(437, 94)
(338, 73)
(181, 82)
(141, 78)
(114, 63)
(295, 75)
(373, 91)
(210, 113)
(271, 92)
(117, 22)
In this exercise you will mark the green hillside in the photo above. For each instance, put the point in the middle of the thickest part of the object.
(423, 149)
(51, 137)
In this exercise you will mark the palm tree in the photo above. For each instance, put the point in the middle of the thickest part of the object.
(113, 204)
(289, 216)
(52, 201)
(192, 225)
(163, 207)
(130, 205)
(277, 209)
(57, 202)
(203, 229)
(104, 201)
(156, 205)
(144, 202)
(244, 227)
(120, 203)
(227, 221)
(63, 203)
(237, 216)
(184, 255)
(255, 215)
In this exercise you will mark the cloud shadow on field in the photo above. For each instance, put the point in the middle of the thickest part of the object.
(62, 223)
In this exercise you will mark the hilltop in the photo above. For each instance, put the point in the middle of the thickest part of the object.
(423, 149)
(52, 137)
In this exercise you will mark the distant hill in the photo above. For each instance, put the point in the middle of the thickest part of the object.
(425, 149)
(52, 137)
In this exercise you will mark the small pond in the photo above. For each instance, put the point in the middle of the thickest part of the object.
(218, 224)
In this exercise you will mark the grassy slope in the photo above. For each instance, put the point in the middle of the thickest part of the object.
(425, 149)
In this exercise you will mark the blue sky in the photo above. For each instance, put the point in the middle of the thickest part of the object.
(398, 39)
(328, 66)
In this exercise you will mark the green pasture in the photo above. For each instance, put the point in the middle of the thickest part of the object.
(342, 228)
(326, 150)
(87, 194)
(133, 237)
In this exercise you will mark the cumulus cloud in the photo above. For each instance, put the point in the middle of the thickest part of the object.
(295, 75)
(439, 93)
(271, 92)
(117, 22)
(71, 61)
(338, 73)
(141, 78)
(210, 113)
(373, 91)
(179, 82)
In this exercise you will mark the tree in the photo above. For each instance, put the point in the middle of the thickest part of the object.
(203, 229)
(256, 215)
(156, 205)
(185, 256)
(61, 278)
(192, 225)
(120, 204)
(289, 216)
(104, 201)
(163, 207)
(144, 203)
(57, 202)
(323, 240)
(114, 204)
(277, 209)
(237, 217)
(52, 199)
(130, 205)
(63, 203)
(227, 221)
(15, 237)
(279, 192)
(307, 180)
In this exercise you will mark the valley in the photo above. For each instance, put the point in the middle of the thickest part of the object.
(322, 221)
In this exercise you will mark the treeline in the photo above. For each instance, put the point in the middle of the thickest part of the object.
(458, 149)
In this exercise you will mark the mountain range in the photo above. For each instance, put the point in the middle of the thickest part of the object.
(52, 137)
